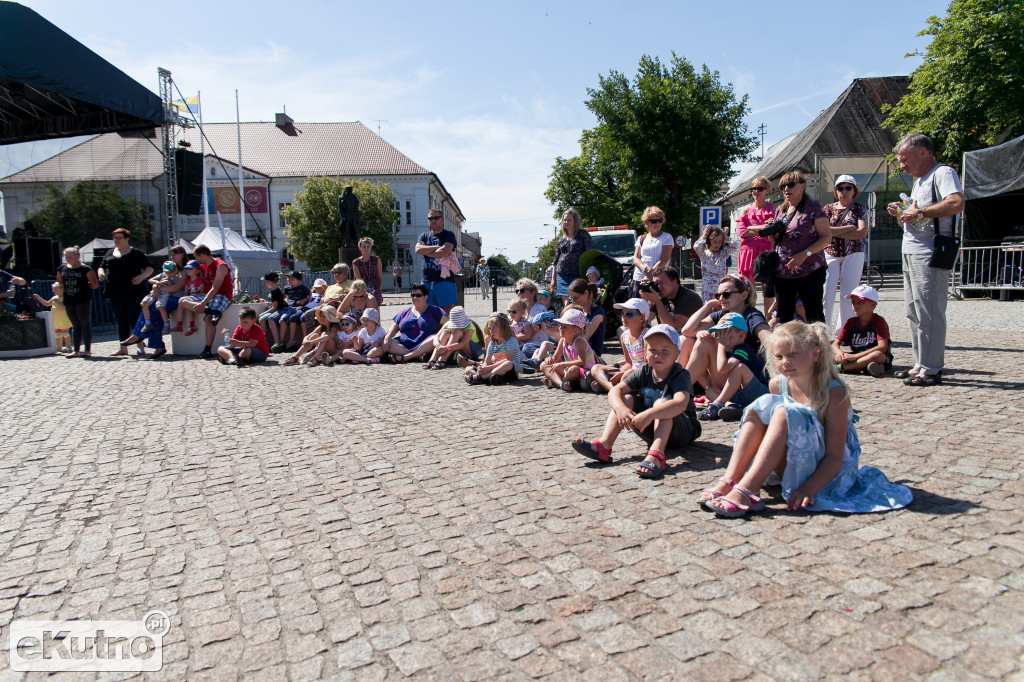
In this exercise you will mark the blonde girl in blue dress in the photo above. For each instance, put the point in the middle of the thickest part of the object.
(804, 431)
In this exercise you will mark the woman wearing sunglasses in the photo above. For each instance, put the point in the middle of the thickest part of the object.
(653, 250)
(752, 244)
(845, 255)
(805, 234)
(736, 294)
(412, 334)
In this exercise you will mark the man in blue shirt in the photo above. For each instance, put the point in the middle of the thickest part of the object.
(437, 243)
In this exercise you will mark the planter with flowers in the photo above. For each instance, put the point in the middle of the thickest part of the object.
(23, 336)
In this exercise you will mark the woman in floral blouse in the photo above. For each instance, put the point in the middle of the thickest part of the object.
(845, 255)
(801, 271)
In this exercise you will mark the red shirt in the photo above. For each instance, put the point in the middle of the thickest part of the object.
(255, 334)
(863, 338)
(209, 274)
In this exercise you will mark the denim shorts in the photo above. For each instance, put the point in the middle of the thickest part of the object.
(749, 393)
(441, 294)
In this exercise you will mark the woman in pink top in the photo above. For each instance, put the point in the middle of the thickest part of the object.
(748, 225)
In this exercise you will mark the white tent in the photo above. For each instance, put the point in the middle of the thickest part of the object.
(95, 248)
(251, 258)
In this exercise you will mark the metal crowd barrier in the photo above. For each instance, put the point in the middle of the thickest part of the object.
(990, 268)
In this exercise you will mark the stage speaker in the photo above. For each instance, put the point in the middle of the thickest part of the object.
(190, 181)
(37, 253)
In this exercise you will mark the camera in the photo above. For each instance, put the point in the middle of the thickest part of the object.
(773, 228)
(649, 286)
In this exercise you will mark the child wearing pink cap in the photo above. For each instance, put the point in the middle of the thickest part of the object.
(867, 335)
(573, 355)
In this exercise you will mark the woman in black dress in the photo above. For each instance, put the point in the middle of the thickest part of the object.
(125, 269)
(78, 281)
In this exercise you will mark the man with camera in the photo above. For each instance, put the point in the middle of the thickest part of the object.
(670, 301)
(6, 279)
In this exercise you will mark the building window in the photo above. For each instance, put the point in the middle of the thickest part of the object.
(408, 218)
(281, 206)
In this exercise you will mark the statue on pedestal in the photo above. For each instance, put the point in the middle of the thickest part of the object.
(348, 212)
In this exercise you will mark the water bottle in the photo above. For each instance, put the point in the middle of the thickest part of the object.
(227, 337)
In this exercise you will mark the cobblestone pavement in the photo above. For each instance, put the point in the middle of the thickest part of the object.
(372, 523)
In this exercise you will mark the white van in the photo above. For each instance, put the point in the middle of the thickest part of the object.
(617, 241)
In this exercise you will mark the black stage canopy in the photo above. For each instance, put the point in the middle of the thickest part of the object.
(53, 86)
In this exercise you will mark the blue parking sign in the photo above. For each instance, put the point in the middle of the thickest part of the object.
(711, 215)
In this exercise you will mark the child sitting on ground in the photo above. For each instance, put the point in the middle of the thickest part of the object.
(344, 339)
(315, 342)
(803, 431)
(656, 402)
(544, 298)
(193, 291)
(454, 337)
(369, 344)
(573, 355)
(735, 380)
(634, 322)
(867, 334)
(61, 321)
(503, 360)
(248, 344)
(277, 303)
(163, 285)
(714, 250)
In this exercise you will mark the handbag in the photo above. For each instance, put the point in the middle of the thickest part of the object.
(945, 248)
(765, 265)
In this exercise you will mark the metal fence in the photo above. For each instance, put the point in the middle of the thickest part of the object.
(990, 268)
(102, 314)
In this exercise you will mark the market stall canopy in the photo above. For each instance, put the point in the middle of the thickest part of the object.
(53, 86)
(993, 188)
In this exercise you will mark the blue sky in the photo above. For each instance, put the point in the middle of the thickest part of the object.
(485, 94)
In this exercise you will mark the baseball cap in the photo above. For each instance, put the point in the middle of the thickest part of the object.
(191, 265)
(371, 314)
(734, 320)
(637, 304)
(544, 292)
(848, 179)
(864, 291)
(319, 283)
(541, 318)
(349, 317)
(664, 330)
(169, 266)
(574, 317)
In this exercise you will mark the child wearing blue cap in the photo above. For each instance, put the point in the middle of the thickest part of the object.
(734, 379)
(655, 401)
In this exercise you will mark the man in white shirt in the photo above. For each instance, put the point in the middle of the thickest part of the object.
(937, 199)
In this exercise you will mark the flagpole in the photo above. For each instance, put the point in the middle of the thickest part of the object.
(241, 182)
(202, 152)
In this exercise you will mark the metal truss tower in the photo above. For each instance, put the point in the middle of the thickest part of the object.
(172, 121)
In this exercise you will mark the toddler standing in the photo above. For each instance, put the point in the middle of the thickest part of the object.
(61, 321)
(714, 250)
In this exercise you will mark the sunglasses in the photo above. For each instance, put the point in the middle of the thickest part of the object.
(435, 217)
(758, 189)
(358, 295)
(519, 291)
(844, 188)
(347, 324)
(632, 313)
(416, 295)
(790, 185)
(725, 294)
(513, 312)
(655, 220)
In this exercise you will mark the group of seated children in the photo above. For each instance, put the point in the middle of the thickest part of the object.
(339, 340)
(800, 427)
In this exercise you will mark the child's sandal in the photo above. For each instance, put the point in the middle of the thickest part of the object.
(709, 494)
(729, 509)
(590, 450)
(291, 361)
(655, 469)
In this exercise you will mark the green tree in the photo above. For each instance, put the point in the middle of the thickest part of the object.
(500, 262)
(545, 257)
(668, 138)
(969, 91)
(90, 210)
(313, 219)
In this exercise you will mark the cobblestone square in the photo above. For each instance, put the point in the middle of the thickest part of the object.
(383, 522)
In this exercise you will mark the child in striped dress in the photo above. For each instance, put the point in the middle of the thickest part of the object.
(503, 361)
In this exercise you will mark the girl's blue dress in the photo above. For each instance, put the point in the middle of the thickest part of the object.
(853, 490)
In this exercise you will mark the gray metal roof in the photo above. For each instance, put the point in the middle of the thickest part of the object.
(294, 150)
(850, 125)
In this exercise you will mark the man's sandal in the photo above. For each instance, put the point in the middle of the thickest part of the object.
(729, 509)
(589, 449)
(709, 494)
(924, 380)
(905, 374)
(656, 469)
